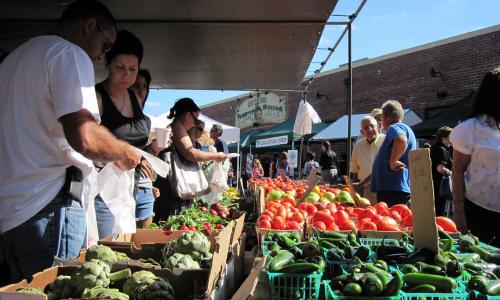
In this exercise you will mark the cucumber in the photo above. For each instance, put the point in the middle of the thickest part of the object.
(395, 285)
(493, 288)
(477, 283)
(280, 260)
(334, 234)
(423, 288)
(441, 283)
(300, 268)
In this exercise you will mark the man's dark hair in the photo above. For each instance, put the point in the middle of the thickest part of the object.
(487, 98)
(84, 9)
(326, 144)
(310, 155)
(126, 43)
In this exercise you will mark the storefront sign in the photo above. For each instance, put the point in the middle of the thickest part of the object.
(278, 140)
(263, 109)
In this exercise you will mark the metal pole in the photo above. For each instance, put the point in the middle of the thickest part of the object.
(349, 97)
(238, 166)
(300, 156)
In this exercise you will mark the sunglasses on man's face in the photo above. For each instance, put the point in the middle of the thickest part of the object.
(200, 128)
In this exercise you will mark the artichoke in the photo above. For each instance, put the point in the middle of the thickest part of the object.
(182, 261)
(194, 243)
(137, 278)
(100, 292)
(31, 291)
(101, 252)
(96, 273)
(158, 289)
(61, 288)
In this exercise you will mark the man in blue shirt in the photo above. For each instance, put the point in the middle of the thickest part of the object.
(390, 174)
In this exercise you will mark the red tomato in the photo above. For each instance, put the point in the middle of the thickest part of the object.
(388, 221)
(323, 217)
(297, 217)
(285, 203)
(347, 225)
(264, 224)
(265, 217)
(376, 218)
(332, 207)
(395, 215)
(326, 210)
(381, 206)
(319, 225)
(384, 213)
(333, 227)
(447, 224)
(320, 205)
(311, 209)
(400, 208)
(341, 216)
(363, 221)
(368, 226)
(366, 213)
(292, 225)
(271, 204)
(269, 213)
(408, 221)
(302, 206)
(289, 199)
(358, 210)
(278, 223)
(387, 227)
(282, 212)
(349, 210)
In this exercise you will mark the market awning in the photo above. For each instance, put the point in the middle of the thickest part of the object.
(218, 44)
(338, 129)
(451, 116)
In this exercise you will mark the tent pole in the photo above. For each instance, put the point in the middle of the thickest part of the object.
(349, 96)
(300, 155)
(238, 172)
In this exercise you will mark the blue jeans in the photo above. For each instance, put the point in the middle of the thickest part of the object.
(59, 229)
(144, 201)
(104, 217)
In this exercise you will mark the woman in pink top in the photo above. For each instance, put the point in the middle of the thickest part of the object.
(257, 170)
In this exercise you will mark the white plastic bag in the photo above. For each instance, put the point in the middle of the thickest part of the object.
(219, 177)
(116, 188)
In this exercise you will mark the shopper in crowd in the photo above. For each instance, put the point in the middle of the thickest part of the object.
(215, 134)
(196, 133)
(441, 165)
(328, 163)
(50, 132)
(476, 164)
(310, 163)
(273, 166)
(257, 170)
(377, 114)
(363, 155)
(390, 173)
(283, 165)
(122, 114)
(146, 193)
(184, 114)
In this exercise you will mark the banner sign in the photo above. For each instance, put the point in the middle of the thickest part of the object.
(293, 158)
(261, 109)
(278, 140)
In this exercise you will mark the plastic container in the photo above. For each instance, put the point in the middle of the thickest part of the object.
(330, 295)
(294, 286)
(459, 294)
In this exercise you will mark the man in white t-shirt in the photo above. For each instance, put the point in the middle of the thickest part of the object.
(363, 155)
(49, 123)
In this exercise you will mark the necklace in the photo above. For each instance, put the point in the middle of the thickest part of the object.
(116, 104)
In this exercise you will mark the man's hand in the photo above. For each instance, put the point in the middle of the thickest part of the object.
(132, 159)
(396, 165)
(146, 169)
(221, 156)
(156, 192)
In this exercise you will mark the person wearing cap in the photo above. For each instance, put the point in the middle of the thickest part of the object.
(50, 136)
(215, 134)
(441, 165)
(184, 114)
(363, 155)
(390, 172)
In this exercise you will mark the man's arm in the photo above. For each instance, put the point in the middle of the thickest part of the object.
(95, 142)
(460, 163)
(399, 145)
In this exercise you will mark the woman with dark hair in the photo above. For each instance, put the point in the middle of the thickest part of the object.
(121, 111)
(476, 164)
(283, 165)
(441, 165)
(141, 86)
(329, 164)
(184, 115)
(310, 163)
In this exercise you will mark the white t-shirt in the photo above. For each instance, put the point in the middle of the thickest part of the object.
(42, 80)
(482, 177)
(363, 155)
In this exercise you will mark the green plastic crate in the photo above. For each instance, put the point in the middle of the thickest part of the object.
(475, 295)
(330, 295)
(459, 294)
(294, 286)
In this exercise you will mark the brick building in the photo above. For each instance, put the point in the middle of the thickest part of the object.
(460, 63)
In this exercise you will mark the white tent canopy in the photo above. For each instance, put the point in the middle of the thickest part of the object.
(230, 134)
(338, 129)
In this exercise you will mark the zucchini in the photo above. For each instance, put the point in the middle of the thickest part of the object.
(486, 255)
(442, 284)
(334, 234)
(493, 288)
(395, 285)
(301, 268)
(280, 260)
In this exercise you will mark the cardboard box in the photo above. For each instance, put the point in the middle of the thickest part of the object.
(248, 288)
(237, 230)
(248, 260)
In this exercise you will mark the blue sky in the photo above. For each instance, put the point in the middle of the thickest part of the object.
(382, 27)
